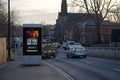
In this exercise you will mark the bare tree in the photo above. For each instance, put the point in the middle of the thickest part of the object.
(114, 14)
(15, 29)
(3, 19)
(45, 30)
(18, 30)
(100, 8)
(13, 21)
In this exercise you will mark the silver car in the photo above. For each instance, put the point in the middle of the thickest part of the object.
(76, 51)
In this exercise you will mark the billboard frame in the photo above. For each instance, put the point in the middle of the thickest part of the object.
(32, 44)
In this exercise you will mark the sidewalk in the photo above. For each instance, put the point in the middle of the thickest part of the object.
(14, 70)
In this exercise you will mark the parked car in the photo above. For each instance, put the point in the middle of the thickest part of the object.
(76, 51)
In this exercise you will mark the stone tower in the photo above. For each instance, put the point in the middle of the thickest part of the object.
(64, 7)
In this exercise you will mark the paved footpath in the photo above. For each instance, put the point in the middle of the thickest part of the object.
(14, 70)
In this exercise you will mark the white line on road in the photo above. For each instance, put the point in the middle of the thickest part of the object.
(116, 69)
(60, 71)
(64, 74)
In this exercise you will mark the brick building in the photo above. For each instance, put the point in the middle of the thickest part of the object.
(78, 26)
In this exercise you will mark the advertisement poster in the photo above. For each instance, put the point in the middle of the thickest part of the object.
(32, 41)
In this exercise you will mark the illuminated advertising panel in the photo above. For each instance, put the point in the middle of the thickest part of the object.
(32, 41)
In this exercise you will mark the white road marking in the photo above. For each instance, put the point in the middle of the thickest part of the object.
(60, 71)
(116, 69)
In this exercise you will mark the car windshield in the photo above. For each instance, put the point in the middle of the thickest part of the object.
(71, 43)
(77, 44)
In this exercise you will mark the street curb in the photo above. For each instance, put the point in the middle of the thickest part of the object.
(64, 74)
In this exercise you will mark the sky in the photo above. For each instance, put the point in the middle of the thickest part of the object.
(36, 11)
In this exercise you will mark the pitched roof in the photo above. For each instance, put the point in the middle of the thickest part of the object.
(74, 18)
(92, 23)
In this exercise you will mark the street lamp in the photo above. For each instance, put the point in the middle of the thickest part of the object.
(9, 46)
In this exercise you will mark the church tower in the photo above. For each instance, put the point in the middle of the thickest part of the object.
(64, 7)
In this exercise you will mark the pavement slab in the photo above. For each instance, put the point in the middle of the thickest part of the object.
(17, 71)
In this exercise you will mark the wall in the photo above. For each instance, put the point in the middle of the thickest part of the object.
(2, 50)
(107, 52)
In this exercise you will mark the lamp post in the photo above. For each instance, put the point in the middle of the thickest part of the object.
(9, 46)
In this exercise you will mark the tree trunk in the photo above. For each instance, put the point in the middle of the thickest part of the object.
(97, 33)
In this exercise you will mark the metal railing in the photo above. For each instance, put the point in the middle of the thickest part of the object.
(104, 48)
(111, 52)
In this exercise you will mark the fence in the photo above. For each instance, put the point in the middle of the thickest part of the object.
(109, 52)
(2, 50)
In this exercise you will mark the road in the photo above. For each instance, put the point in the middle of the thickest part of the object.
(63, 68)
(89, 68)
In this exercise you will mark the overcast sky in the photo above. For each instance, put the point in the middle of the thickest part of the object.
(36, 11)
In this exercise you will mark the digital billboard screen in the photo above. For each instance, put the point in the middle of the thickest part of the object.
(31, 41)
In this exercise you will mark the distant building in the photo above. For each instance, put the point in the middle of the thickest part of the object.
(78, 26)
(52, 31)
(115, 26)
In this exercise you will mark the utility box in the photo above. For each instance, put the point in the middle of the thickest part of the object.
(32, 44)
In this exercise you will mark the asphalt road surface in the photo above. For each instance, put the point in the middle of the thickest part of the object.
(89, 68)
